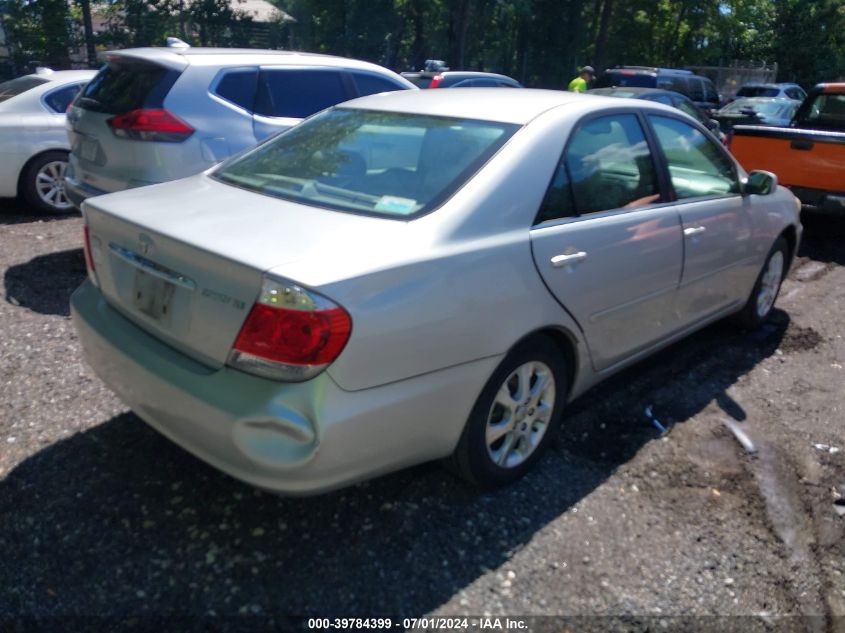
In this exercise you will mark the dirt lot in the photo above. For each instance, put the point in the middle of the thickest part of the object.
(99, 515)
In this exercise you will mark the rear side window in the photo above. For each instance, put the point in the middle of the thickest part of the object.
(13, 88)
(299, 93)
(696, 92)
(697, 166)
(607, 165)
(59, 100)
(826, 111)
(710, 94)
(369, 84)
(120, 87)
(238, 87)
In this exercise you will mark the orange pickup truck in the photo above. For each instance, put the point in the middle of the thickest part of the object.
(809, 155)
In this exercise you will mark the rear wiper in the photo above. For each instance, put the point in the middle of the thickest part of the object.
(90, 103)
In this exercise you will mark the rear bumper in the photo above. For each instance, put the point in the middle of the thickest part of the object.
(296, 438)
(78, 191)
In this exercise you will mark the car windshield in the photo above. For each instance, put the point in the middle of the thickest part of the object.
(376, 163)
(13, 88)
(767, 108)
(757, 91)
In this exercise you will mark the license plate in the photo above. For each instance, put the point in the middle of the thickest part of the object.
(153, 296)
(88, 149)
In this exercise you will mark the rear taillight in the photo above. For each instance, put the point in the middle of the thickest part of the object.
(150, 125)
(90, 255)
(435, 81)
(290, 334)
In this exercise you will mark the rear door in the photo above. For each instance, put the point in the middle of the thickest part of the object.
(288, 94)
(606, 243)
(718, 257)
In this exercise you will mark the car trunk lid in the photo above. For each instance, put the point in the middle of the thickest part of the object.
(184, 260)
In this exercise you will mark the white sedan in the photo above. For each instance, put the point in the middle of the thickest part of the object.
(419, 275)
(33, 140)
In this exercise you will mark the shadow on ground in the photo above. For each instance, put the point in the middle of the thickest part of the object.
(824, 237)
(44, 283)
(13, 211)
(118, 521)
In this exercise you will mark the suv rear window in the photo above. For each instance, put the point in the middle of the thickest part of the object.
(374, 163)
(123, 86)
(626, 79)
(13, 88)
(757, 91)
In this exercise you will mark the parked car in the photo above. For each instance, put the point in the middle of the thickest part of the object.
(158, 114)
(809, 155)
(408, 277)
(33, 141)
(698, 88)
(780, 91)
(436, 74)
(756, 111)
(666, 97)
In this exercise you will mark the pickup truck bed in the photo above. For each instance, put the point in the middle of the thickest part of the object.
(809, 156)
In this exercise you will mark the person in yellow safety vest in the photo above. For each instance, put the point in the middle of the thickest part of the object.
(579, 84)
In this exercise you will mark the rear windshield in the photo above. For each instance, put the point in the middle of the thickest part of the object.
(824, 112)
(626, 80)
(123, 86)
(420, 82)
(13, 88)
(375, 163)
(781, 108)
(757, 91)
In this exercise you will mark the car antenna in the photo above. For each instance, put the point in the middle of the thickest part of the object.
(175, 42)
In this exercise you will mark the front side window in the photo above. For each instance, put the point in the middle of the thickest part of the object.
(826, 112)
(607, 165)
(697, 166)
(385, 164)
(299, 93)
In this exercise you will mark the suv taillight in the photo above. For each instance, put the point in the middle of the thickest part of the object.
(150, 125)
(291, 333)
(435, 81)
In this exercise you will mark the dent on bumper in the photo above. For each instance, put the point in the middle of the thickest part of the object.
(297, 438)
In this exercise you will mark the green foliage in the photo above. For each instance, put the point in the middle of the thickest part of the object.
(540, 42)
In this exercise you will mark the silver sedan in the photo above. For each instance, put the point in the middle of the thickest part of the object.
(421, 275)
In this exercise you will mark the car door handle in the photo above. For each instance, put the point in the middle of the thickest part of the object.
(567, 259)
(694, 230)
(802, 145)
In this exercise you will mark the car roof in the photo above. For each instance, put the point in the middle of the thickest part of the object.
(831, 88)
(180, 58)
(486, 104)
(634, 90)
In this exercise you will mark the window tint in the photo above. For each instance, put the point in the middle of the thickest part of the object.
(13, 88)
(626, 79)
(826, 111)
(794, 93)
(299, 93)
(607, 165)
(238, 87)
(664, 99)
(377, 163)
(757, 91)
(123, 86)
(59, 100)
(696, 89)
(368, 84)
(688, 108)
(681, 84)
(697, 165)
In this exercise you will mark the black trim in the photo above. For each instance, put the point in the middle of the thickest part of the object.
(790, 134)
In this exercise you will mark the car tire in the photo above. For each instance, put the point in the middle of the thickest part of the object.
(43, 183)
(767, 287)
(515, 417)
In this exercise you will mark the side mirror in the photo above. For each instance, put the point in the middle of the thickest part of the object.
(760, 183)
(713, 125)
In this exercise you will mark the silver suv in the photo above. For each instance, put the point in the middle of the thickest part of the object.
(157, 114)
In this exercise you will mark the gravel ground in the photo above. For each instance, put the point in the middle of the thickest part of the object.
(99, 515)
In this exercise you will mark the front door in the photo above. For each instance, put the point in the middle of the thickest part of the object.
(606, 244)
(718, 259)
